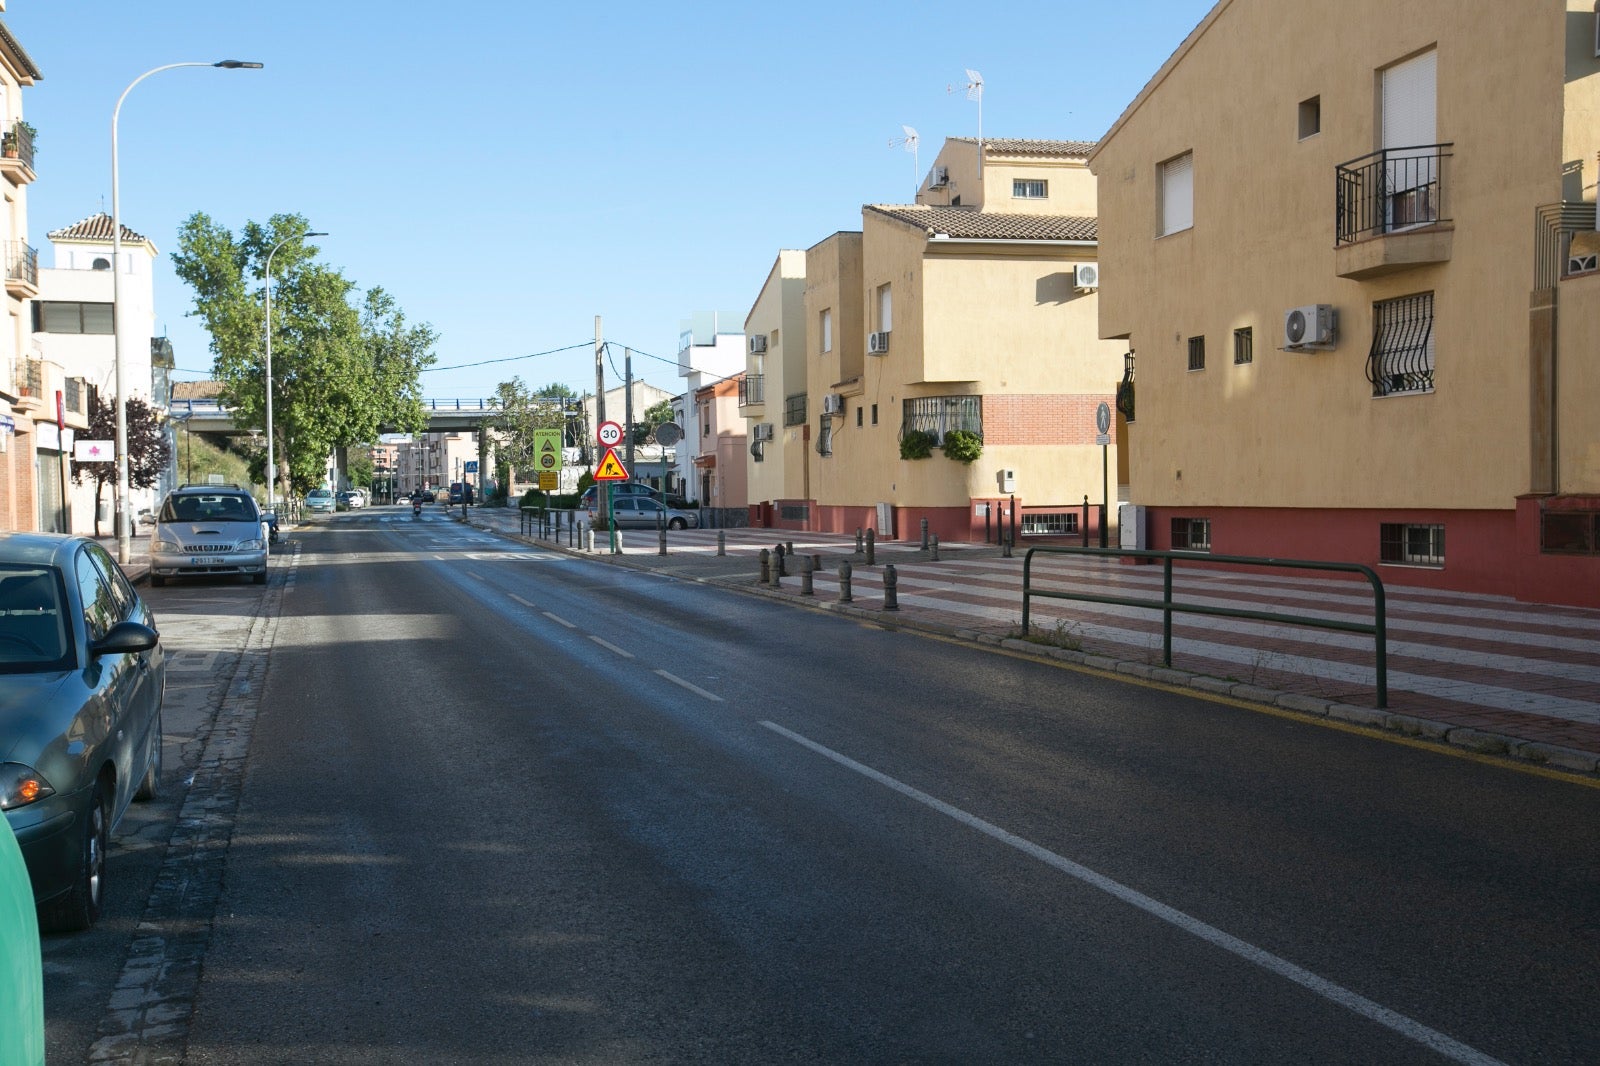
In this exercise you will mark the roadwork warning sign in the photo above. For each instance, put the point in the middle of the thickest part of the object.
(611, 468)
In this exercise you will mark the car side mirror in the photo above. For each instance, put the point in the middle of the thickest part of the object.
(125, 638)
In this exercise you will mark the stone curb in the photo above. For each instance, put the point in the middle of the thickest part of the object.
(1474, 740)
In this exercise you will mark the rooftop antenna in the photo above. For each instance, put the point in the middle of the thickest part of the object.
(911, 142)
(974, 89)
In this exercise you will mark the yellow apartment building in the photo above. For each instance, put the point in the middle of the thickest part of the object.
(777, 473)
(1352, 250)
(948, 323)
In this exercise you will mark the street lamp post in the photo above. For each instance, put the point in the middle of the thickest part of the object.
(123, 533)
(272, 467)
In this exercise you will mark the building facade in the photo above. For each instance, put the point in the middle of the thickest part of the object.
(778, 469)
(26, 457)
(1355, 287)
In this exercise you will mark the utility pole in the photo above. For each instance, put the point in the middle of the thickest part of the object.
(627, 395)
(602, 494)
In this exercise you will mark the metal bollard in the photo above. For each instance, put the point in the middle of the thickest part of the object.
(805, 576)
(816, 563)
(722, 542)
(777, 568)
(780, 557)
(588, 538)
(891, 594)
(662, 532)
(1005, 546)
(935, 547)
(924, 534)
(844, 581)
(872, 545)
(766, 567)
(788, 546)
(858, 540)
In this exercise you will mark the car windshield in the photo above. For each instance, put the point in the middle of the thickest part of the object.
(33, 632)
(208, 508)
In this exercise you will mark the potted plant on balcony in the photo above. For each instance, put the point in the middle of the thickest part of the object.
(917, 444)
(962, 445)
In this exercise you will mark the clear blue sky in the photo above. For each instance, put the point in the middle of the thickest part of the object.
(509, 170)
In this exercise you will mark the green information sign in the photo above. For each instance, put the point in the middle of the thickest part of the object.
(546, 451)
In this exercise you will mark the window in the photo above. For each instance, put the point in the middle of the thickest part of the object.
(939, 415)
(59, 316)
(1059, 522)
(858, 416)
(101, 264)
(825, 435)
(885, 309)
(1191, 534)
(1411, 545)
(1243, 346)
(1029, 190)
(874, 414)
(1310, 117)
(99, 603)
(1570, 532)
(1177, 194)
(794, 410)
(1401, 359)
(1197, 353)
(827, 330)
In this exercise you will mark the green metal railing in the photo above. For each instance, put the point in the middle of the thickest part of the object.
(1377, 628)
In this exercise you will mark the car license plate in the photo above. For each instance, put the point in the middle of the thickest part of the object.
(205, 560)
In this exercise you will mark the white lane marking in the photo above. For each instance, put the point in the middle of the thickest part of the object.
(522, 601)
(558, 618)
(1407, 1027)
(606, 644)
(696, 689)
(476, 575)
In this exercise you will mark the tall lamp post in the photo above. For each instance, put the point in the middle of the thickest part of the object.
(123, 533)
(272, 467)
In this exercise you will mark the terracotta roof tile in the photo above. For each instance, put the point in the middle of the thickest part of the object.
(94, 228)
(960, 222)
(1028, 146)
(196, 390)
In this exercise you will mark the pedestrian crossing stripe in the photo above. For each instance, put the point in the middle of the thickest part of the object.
(611, 468)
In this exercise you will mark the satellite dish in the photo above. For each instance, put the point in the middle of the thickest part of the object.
(668, 434)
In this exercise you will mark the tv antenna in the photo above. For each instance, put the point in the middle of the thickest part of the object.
(911, 142)
(974, 89)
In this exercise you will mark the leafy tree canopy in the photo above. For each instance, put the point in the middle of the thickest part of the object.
(521, 412)
(148, 450)
(345, 365)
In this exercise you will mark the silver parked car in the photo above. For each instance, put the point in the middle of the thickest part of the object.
(208, 529)
(82, 676)
(642, 512)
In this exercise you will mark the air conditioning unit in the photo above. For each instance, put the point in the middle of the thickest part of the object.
(758, 343)
(941, 178)
(1086, 276)
(878, 343)
(1312, 326)
(762, 431)
(1582, 264)
(833, 404)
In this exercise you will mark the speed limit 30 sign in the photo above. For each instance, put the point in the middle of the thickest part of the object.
(610, 434)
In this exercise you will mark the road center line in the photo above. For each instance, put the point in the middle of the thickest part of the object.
(522, 601)
(1352, 1001)
(558, 619)
(475, 575)
(696, 689)
(606, 644)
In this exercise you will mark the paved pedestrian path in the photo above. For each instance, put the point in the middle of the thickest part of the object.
(1483, 672)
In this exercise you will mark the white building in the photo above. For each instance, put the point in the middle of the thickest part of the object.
(711, 348)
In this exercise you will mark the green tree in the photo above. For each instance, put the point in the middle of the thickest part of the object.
(653, 417)
(359, 468)
(521, 412)
(148, 451)
(345, 365)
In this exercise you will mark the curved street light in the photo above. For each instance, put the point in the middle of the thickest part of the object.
(272, 468)
(124, 535)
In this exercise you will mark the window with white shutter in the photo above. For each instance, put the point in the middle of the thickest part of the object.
(1177, 194)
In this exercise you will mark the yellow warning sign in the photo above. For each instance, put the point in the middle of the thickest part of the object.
(611, 468)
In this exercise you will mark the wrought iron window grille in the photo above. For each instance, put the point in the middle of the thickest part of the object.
(1401, 359)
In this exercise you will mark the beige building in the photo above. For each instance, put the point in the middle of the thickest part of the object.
(936, 322)
(1347, 246)
(778, 472)
(719, 453)
(31, 453)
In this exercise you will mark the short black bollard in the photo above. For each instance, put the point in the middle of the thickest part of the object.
(924, 534)
(816, 563)
(766, 567)
(935, 547)
(662, 533)
(777, 569)
(891, 593)
(722, 542)
(781, 556)
(1005, 547)
(872, 547)
(805, 576)
(858, 540)
(844, 581)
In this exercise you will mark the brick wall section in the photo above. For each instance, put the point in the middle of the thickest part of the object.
(1053, 418)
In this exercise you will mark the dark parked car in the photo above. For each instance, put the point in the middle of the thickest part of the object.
(82, 675)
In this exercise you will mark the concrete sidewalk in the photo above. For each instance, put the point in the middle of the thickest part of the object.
(1480, 672)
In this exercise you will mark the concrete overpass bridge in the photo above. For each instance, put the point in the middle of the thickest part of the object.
(444, 416)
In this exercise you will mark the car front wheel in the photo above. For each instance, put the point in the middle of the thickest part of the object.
(80, 907)
(677, 523)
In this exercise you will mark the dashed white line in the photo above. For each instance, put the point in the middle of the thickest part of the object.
(1352, 1001)
(696, 689)
(522, 601)
(557, 618)
(606, 644)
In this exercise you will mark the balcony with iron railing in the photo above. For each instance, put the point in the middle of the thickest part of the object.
(22, 270)
(1392, 211)
(752, 390)
(16, 153)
